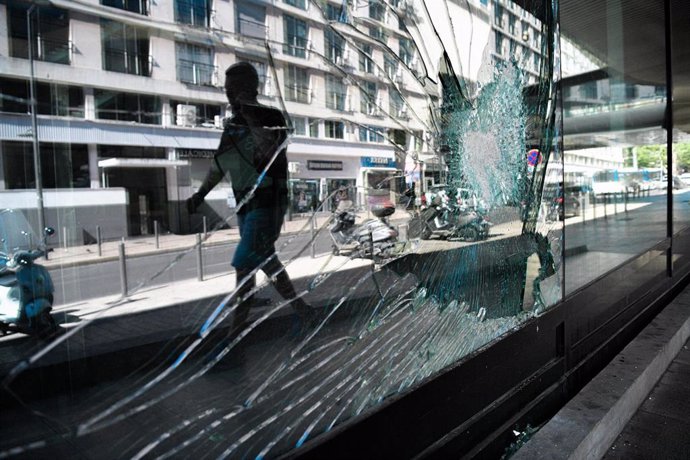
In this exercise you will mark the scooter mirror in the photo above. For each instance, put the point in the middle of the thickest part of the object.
(49, 231)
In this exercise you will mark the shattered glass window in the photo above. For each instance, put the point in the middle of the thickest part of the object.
(268, 219)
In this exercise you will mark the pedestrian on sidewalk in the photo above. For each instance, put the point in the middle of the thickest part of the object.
(252, 152)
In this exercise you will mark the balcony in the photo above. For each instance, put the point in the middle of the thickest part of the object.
(127, 62)
(56, 51)
(196, 73)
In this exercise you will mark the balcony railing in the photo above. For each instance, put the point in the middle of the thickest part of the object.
(296, 46)
(57, 51)
(196, 73)
(297, 93)
(127, 62)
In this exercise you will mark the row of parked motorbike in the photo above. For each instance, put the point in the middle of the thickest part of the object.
(377, 238)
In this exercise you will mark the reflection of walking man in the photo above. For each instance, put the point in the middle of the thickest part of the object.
(253, 141)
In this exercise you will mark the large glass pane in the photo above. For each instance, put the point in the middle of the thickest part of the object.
(271, 219)
(614, 181)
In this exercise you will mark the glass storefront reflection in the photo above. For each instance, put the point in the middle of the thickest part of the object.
(438, 167)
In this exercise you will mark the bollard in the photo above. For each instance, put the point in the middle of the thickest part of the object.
(199, 261)
(625, 203)
(123, 268)
(205, 228)
(371, 245)
(594, 206)
(313, 233)
(155, 232)
(583, 208)
(606, 202)
(64, 237)
(99, 240)
(615, 204)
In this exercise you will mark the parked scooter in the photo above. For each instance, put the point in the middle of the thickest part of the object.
(444, 221)
(26, 288)
(373, 238)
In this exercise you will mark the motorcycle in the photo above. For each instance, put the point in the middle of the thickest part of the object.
(26, 288)
(444, 221)
(373, 238)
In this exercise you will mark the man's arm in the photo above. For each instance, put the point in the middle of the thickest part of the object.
(213, 176)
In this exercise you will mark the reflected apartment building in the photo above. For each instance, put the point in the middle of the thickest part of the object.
(130, 103)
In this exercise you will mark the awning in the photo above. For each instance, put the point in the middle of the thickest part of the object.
(140, 163)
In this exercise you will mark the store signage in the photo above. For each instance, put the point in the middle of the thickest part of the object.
(195, 153)
(378, 162)
(319, 165)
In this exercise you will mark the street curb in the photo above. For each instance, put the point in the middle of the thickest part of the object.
(590, 423)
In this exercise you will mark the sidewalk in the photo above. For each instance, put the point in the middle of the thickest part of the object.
(623, 413)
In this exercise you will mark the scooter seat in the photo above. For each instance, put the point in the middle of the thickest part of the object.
(8, 279)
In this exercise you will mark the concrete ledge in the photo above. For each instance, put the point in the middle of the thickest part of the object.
(589, 424)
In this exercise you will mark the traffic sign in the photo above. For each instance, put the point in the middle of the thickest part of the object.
(534, 157)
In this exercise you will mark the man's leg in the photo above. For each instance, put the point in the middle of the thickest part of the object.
(275, 270)
(244, 299)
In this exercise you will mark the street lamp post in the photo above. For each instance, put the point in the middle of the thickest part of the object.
(34, 127)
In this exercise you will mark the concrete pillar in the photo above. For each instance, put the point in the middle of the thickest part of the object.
(93, 166)
(166, 112)
(89, 104)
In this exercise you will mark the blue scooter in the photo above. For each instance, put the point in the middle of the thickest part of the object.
(26, 288)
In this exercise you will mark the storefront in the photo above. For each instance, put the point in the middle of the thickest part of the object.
(320, 182)
(378, 173)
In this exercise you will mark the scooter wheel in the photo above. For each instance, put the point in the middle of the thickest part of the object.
(45, 325)
(426, 233)
(471, 234)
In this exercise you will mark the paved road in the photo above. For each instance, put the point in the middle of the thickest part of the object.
(75, 284)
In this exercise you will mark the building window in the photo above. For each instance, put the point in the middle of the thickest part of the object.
(264, 77)
(511, 24)
(367, 98)
(366, 63)
(313, 127)
(390, 65)
(125, 48)
(139, 108)
(195, 64)
(499, 43)
(297, 84)
(334, 45)
(62, 165)
(50, 41)
(296, 33)
(377, 10)
(406, 52)
(204, 114)
(251, 20)
(193, 12)
(300, 125)
(134, 6)
(336, 93)
(371, 134)
(484, 2)
(51, 99)
(379, 34)
(301, 4)
(498, 15)
(335, 129)
(397, 106)
(335, 12)
(418, 142)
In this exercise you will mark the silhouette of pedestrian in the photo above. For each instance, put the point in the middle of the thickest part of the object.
(252, 152)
